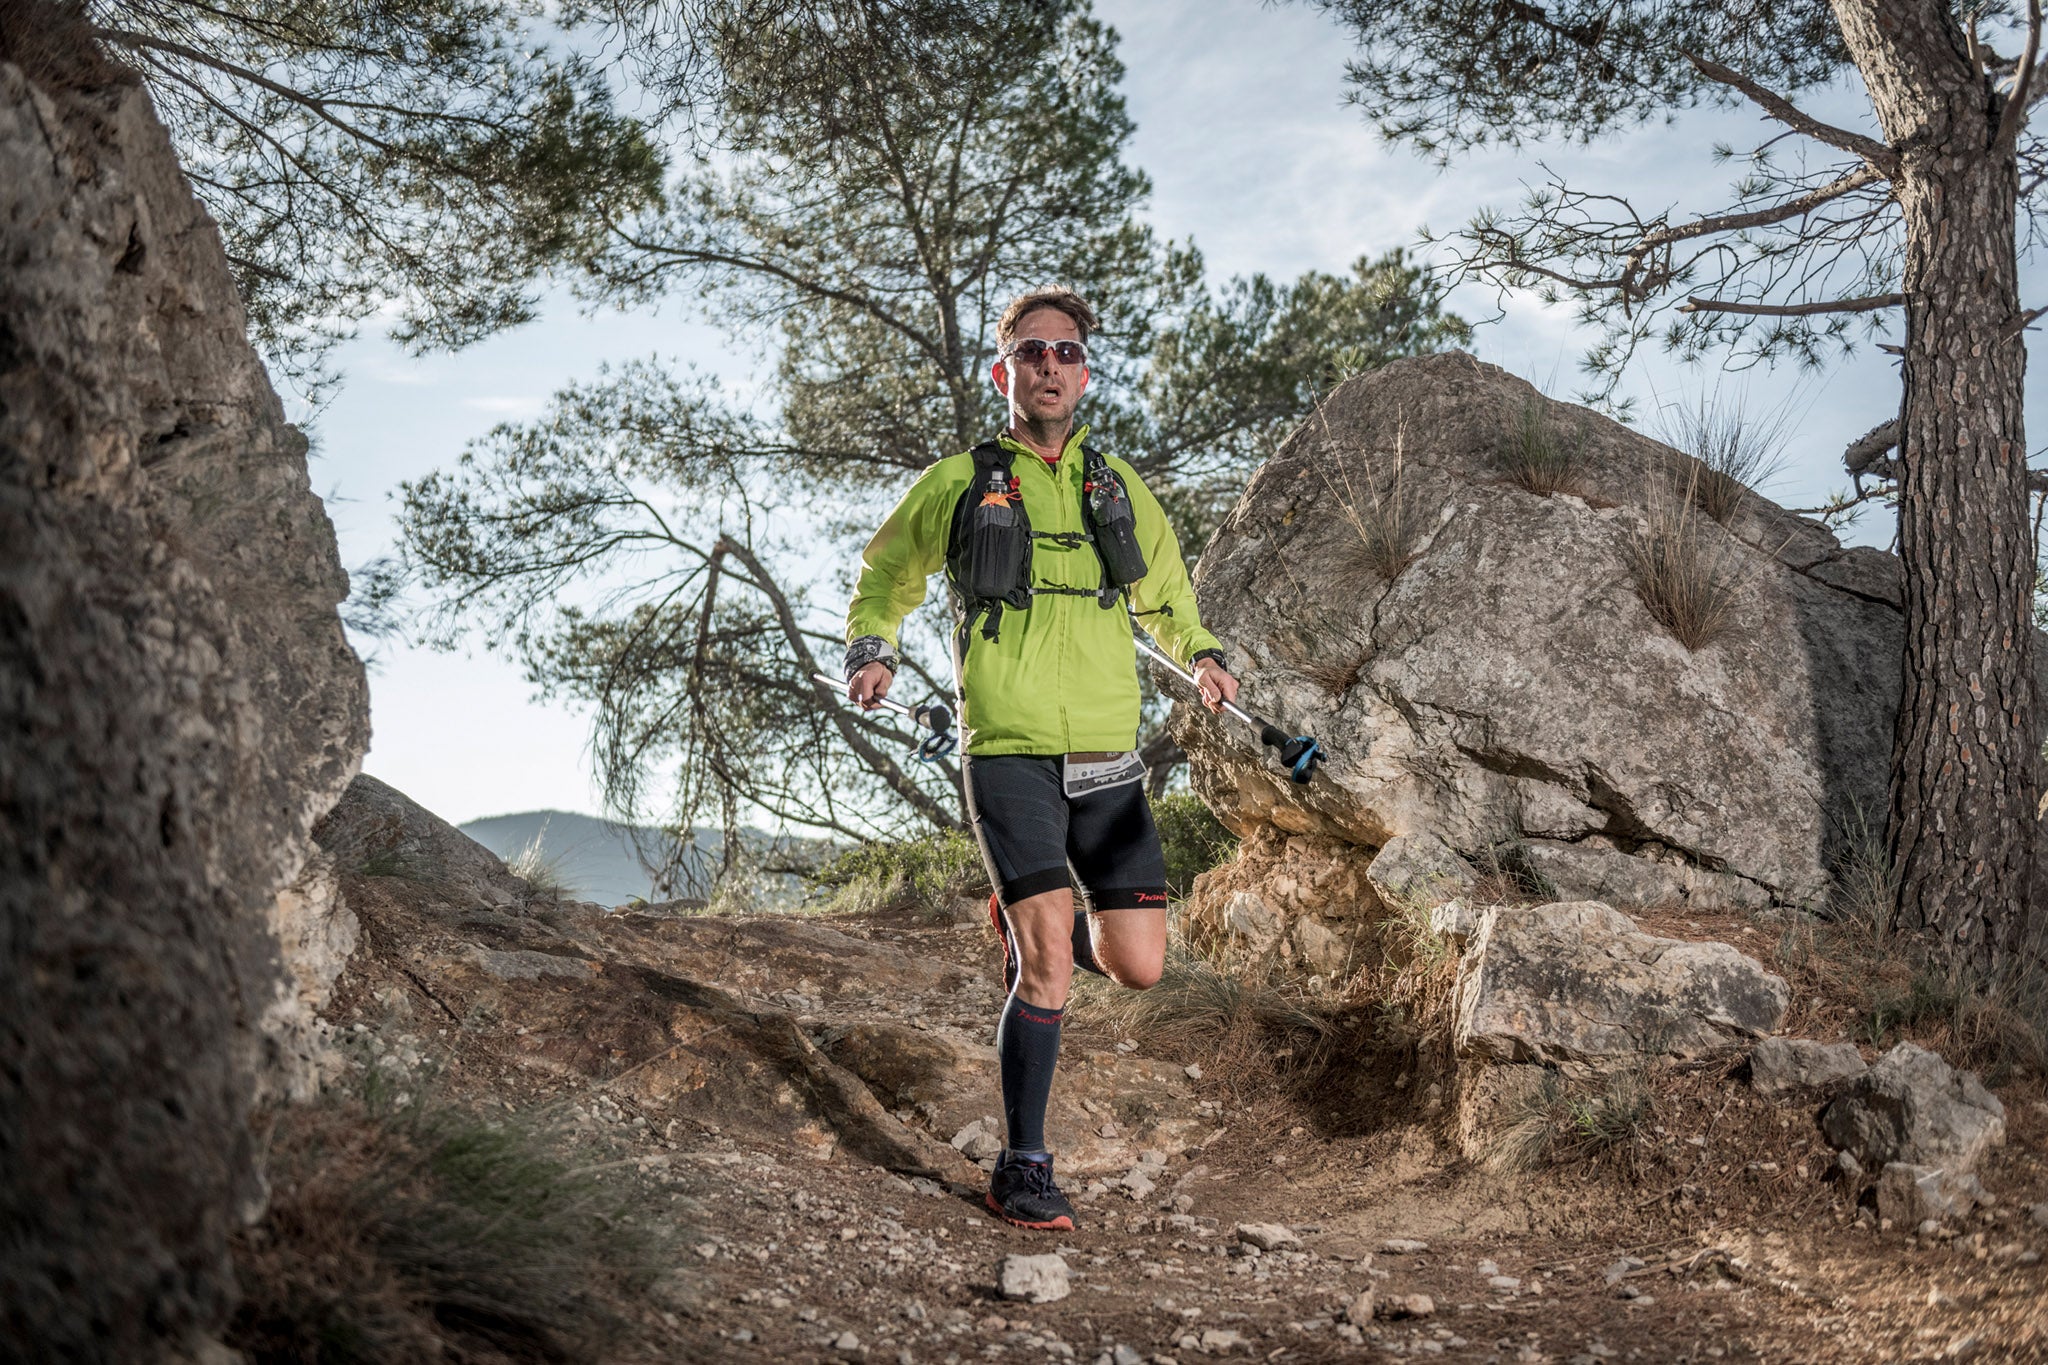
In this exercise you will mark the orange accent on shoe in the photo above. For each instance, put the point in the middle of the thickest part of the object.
(1060, 1224)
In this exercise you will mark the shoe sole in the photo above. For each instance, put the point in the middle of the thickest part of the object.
(1060, 1224)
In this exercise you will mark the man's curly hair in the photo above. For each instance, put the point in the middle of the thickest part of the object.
(1047, 296)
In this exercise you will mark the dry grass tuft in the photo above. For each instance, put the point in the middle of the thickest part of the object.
(1538, 456)
(1737, 450)
(1685, 573)
(1387, 515)
(539, 871)
(1561, 1122)
(1240, 1025)
(401, 1232)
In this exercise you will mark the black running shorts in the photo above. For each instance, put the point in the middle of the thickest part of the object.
(1040, 819)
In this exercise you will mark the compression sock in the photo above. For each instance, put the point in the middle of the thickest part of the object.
(1084, 945)
(1027, 1049)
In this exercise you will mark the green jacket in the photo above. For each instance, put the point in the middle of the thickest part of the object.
(1062, 678)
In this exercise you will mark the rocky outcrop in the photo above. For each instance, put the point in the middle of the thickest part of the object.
(180, 706)
(1300, 902)
(1913, 1107)
(1580, 987)
(1791, 1069)
(1509, 685)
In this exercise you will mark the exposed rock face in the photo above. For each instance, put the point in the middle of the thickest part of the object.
(1419, 868)
(1304, 902)
(1802, 1069)
(179, 706)
(1509, 683)
(1580, 987)
(1913, 1107)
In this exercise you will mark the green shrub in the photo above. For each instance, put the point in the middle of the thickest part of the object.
(412, 1231)
(929, 873)
(1193, 839)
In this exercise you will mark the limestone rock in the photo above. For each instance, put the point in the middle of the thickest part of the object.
(1304, 901)
(377, 830)
(316, 932)
(1912, 1106)
(1034, 1279)
(1267, 1236)
(1580, 986)
(1418, 869)
(1800, 1068)
(1509, 683)
(1591, 870)
(1909, 1195)
(180, 706)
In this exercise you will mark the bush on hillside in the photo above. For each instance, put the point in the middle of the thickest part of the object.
(929, 873)
(1193, 839)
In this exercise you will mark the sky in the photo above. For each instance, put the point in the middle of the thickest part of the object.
(1242, 125)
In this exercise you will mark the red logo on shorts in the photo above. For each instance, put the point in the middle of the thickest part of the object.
(1151, 898)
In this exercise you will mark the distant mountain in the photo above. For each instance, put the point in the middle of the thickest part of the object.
(596, 861)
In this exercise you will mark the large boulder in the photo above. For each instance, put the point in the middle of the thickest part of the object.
(179, 705)
(1509, 684)
(1578, 986)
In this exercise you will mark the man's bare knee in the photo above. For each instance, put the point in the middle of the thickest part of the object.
(1141, 976)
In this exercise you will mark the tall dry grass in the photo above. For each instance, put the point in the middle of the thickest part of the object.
(1539, 454)
(1686, 571)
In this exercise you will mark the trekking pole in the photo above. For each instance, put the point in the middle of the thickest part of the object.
(934, 716)
(1300, 753)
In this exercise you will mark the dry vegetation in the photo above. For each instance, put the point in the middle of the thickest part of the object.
(1539, 456)
(402, 1229)
(1685, 568)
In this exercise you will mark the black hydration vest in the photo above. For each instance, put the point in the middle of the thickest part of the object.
(988, 554)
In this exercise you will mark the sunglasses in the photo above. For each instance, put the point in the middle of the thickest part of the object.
(1031, 350)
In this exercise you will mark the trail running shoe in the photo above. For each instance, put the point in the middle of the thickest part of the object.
(995, 917)
(1022, 1192)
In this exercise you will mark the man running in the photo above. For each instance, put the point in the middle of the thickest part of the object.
(1048, 699)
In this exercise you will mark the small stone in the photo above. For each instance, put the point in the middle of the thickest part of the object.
(1107, 1130)
(1487, 1268)
(1349, 1332)
(1152, 1156)
(1403, 1246)
(1215, 1339)
(1851, 1169)
(1193, 1073)
(1137, 1184)
(2038, 1215)
(931, 1188)
(982, 1147)
(706, 1249)
(1267, 1236)
(742, 1335)
(1407, 1306)
(1506, 1284)
(1126, 1355)
(1619, 1271)
(846, 1341)
(1127, 1046)
(967, 1135)
(1036, 1279)
(1359, 1311)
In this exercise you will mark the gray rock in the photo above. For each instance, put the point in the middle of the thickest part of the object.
(1509, 682)
(1126, 1355)
(1418, 869)
(1455, 920)
(1035, 1279)
(1359, 1311)
(1800, 1068)
(1593, 871)
(1579, 985)
(1912, 1106)
(2038, 1215)
(1909, 1195)
(1216, 1340)
(377, 830)
(1407, 1306)
(180, 706)
(1851, 1169)
(1403, 1246)
(1267, 1236)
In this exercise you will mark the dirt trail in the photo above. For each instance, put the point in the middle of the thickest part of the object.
(800, 1247)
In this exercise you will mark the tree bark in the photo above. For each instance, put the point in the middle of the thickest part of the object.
(1965, 761)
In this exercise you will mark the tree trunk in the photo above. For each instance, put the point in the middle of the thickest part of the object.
(1965, 752)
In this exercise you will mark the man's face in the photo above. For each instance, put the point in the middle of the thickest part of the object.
(1043, 391)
